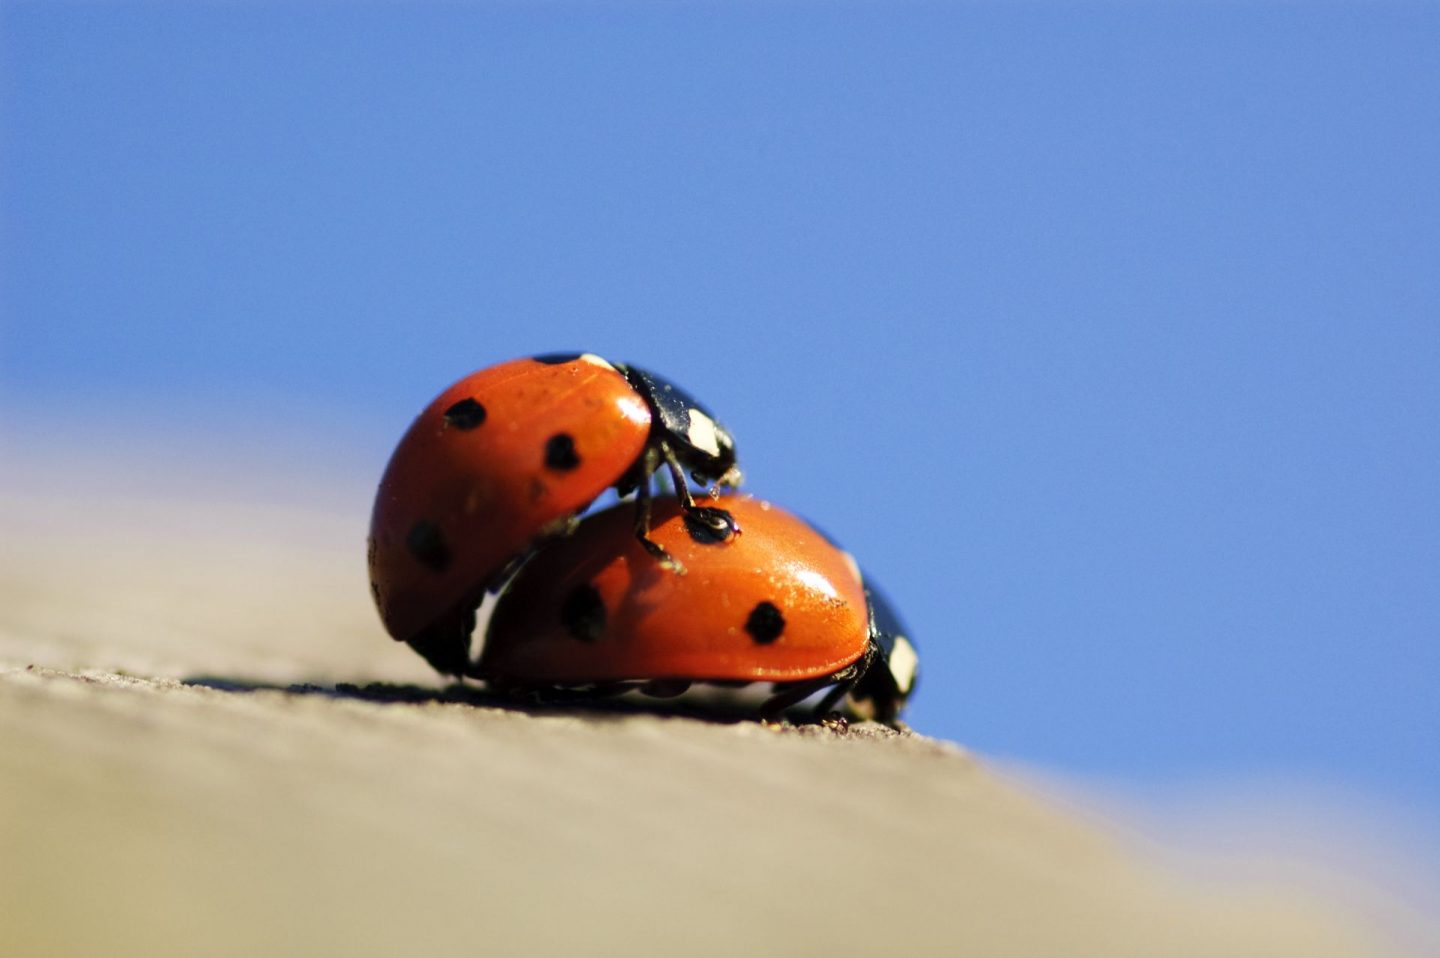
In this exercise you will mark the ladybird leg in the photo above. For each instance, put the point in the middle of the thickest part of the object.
(845, 682)
(840, 683)
(776, 705)
(832, 698)
(665, 688)
(677, 478)
(561, 695)
(877, 705)
(881, 703)
(716, 523)
(605, 690)
(642, 531)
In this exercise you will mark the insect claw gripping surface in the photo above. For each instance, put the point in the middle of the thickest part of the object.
(667, 562)
(710, 525)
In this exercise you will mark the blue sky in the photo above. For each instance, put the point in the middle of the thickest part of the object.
(1108, 336)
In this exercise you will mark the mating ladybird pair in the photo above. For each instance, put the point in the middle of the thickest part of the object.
(491, 478)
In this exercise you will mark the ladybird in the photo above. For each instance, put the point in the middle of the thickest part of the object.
(508, 456)
(767, 599)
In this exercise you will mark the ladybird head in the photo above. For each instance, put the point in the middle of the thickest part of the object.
(702, 445)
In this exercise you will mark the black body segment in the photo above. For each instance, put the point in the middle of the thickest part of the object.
(685, 429)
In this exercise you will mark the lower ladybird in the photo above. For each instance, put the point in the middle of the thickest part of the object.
(767, 598)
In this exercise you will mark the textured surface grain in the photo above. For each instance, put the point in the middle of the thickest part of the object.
(163, 791)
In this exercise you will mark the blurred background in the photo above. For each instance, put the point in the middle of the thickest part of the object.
(1107, 336)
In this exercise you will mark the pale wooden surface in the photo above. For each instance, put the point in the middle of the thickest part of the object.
(144, 814)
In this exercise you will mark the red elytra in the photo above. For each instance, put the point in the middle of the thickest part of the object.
(773, 602)
(495, 462)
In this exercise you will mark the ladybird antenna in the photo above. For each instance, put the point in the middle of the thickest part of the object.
(717, 521)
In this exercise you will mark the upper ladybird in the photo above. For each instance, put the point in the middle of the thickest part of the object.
(510, 454)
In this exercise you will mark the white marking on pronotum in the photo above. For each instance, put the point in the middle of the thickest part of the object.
(701, 433)
(903, 663)
(594, 360)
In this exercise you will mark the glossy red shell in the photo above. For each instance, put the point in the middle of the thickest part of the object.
(460, 500)
(656, 624)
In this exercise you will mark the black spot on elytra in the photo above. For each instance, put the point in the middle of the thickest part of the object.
(465, 414)
(428, 546)
(765, 623)
(556, 359)
(583, 613)
(709, 526)
(560, 452)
